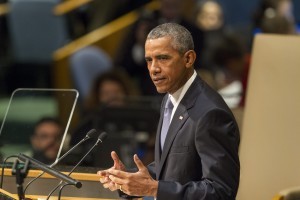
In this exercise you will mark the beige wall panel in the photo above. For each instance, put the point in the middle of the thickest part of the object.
(270, 143)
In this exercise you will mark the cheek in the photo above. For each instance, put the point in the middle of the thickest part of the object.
(174, 73)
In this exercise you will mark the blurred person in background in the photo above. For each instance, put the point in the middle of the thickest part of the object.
(209, 15)
(172, 11)
(230, 60)
(46, 139)
(131, 53)
(269, 9)
(274, 23)
(210, 20)
(109, 90)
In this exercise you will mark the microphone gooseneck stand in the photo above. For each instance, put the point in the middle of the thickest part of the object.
(60, 190)
(2, 170)
(101, 137)
(21, 174)
(89, 135)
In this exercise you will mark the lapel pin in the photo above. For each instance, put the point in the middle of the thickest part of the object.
(180, 117)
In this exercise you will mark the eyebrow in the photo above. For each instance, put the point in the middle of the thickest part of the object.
(148, 58)
(163, 56)
(158, 56)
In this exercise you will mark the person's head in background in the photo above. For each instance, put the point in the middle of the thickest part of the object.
(229, 56)
(109, 89)
(46, 139)
(284, 8)
(171, 10)
(209, 15)
(274, 23)
(272, 8)
(144, 25)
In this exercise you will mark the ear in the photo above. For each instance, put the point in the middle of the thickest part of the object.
(190, 57)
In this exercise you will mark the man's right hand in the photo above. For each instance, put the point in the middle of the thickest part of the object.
(105, 180)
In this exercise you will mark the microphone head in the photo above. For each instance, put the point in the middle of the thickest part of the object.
(92, 133)
(102, 136)
(78, 184)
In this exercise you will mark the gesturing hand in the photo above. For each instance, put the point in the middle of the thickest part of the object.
(105, 180)
(139, 183)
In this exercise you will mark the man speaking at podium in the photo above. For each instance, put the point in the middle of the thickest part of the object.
(196, 149)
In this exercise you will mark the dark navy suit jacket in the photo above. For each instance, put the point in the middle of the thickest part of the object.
(200, 155)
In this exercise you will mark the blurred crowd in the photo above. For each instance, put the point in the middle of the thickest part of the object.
(223, 53)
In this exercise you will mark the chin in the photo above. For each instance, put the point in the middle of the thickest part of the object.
(161, 91)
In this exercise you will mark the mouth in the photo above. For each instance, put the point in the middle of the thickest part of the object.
(158, 80)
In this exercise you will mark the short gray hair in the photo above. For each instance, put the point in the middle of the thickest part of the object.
(182, 39)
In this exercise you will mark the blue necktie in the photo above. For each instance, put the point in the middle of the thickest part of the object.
(166, 122)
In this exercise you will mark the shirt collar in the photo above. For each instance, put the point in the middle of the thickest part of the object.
(179, 94)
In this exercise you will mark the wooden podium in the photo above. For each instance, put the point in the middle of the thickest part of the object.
(4, 195)
(91, 188)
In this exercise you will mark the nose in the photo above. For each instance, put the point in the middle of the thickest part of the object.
(154, 67)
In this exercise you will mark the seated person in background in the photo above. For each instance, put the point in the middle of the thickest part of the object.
(210, 20)
(46, 139)
(209, 16)
(109, 90)
(230, 60)
(274, 14)
(132, 60)
(277, 24)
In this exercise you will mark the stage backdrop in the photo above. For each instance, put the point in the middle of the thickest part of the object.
(270, 150)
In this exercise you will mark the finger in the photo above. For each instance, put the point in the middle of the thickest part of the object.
(117, 180)
(104, 180)
(102, 173)
(112, 186)
(106, 185)
(118, 173)
(138, 162)
(116, 160)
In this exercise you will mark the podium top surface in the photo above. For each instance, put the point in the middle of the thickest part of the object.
(77, 176)
(10, 196)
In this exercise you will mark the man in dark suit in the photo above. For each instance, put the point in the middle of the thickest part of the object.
(196, 157)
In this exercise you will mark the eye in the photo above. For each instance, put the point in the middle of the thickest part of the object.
(148, 60)
(163, 57)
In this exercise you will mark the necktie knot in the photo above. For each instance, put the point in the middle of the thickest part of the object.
(169, 104)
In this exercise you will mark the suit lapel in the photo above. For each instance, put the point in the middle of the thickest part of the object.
(178, 120)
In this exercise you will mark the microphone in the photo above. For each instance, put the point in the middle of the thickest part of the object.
(50, 170)
(91, 134)
(101, 138)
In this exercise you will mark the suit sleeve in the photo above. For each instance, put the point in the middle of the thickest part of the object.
(216, 141)
(151, 169)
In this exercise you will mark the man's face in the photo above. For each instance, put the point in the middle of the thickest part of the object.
(47, 139)
(168, 69)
